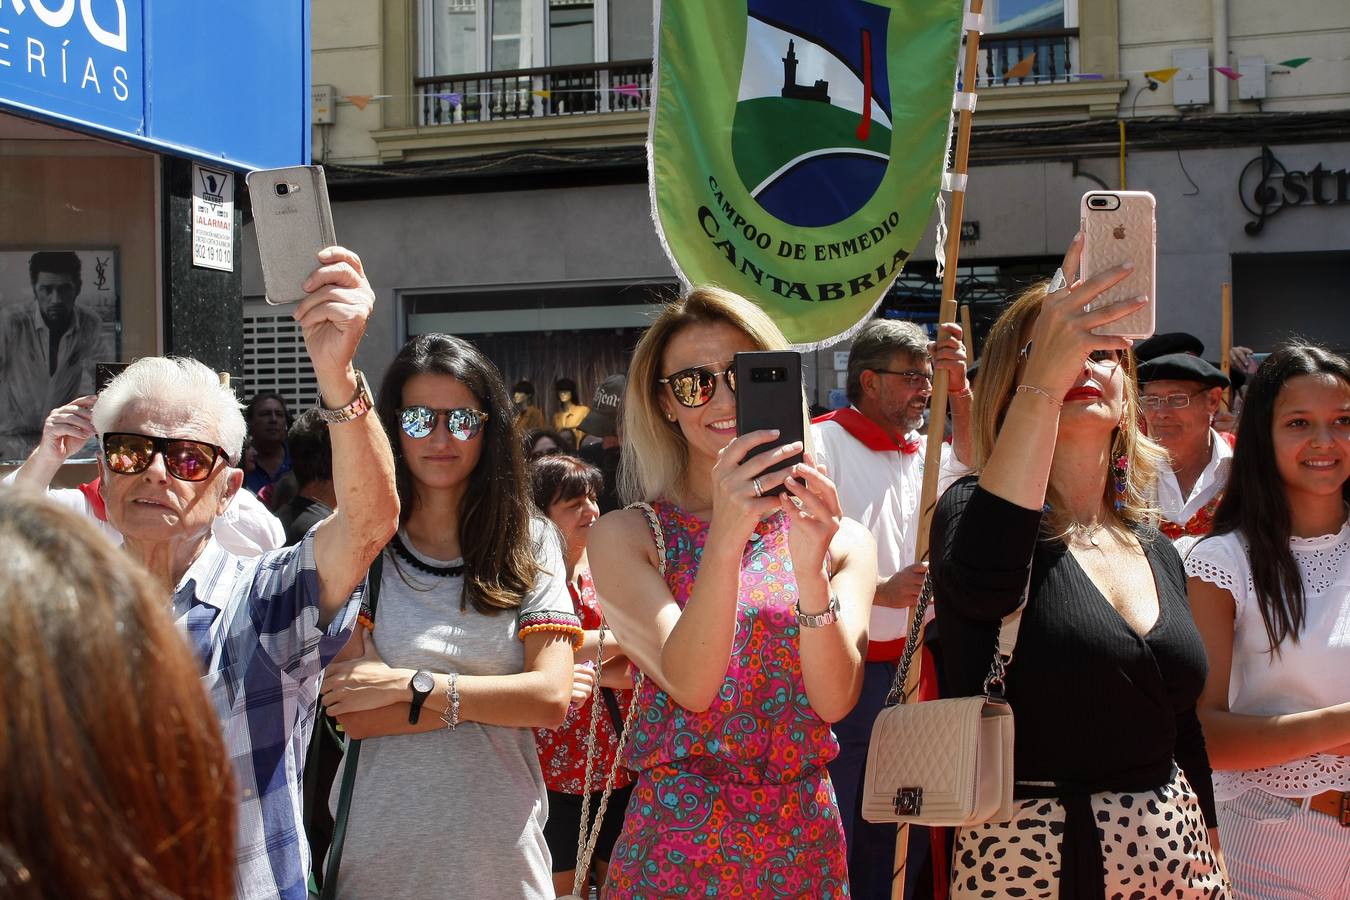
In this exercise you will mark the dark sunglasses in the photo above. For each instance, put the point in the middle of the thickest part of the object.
(1104, 359)
(695, 386)
(130, 454)
(462, 423)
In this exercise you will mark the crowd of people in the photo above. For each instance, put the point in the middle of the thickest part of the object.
(434, 649)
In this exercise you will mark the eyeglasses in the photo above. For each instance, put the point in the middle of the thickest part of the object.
(694, 387)
(911, 377)
(1102, 359)
(1171, 401)
(463, 423)
(130, 454)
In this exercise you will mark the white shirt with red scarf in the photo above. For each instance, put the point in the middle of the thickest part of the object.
(879, 483)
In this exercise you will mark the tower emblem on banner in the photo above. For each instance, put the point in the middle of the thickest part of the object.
(814, 78)
(797, 147)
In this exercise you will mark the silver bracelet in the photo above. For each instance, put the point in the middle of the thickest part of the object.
(451, 715)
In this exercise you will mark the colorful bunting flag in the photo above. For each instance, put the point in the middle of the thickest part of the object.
(454, 98)
(798, 165)
(1023, 67)
(544, 94)
(1090, 76)
(1228, 73)
(360, 101)
(1162, 75)
(1296, 62)
(628, 90)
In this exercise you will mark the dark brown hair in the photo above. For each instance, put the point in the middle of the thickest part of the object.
(558, 477)
(116, 779)
(1255, 503)
(499, 554)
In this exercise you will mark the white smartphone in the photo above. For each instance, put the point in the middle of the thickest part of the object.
(293, 222)
(1118, 227)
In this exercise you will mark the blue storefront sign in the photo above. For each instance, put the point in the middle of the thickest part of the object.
(226, 82)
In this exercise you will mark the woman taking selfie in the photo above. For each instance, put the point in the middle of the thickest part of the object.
(471, 647)
(746, 612)
(1112, 778)
(1270, 590)
(567, 490)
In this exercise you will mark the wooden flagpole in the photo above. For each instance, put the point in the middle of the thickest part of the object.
(1226, 338)
(938, 402)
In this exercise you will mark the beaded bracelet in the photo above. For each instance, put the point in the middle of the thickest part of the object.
(1032, 389)
(451, 715)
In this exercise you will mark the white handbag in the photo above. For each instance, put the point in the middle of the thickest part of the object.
(944, 762)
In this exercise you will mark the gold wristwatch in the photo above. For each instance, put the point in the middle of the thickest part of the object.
(361, 404)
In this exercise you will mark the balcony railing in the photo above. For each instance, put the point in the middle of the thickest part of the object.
(606, 87)
(1055, 51)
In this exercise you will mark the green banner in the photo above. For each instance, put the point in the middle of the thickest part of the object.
(797, 147)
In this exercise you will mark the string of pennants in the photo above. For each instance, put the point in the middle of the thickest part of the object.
(1023, 68)
(456, 98)
(1020, 71)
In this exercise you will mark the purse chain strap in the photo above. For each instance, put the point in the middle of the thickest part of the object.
(995, 681)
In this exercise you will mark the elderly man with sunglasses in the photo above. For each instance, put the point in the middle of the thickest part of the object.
(263, 628)
(875, 455)
(1181, 396)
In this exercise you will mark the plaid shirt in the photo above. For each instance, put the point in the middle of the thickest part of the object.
(254, 625)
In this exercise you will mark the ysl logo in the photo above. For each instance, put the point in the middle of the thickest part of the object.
(100, 273)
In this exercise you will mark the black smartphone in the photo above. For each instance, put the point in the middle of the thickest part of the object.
(769, 394)
(105, 372)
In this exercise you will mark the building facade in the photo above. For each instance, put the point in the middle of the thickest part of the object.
(486, 158)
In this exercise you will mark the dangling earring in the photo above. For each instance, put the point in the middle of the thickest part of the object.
(1120, 471)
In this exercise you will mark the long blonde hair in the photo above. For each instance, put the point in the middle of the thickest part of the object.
(996, 386)
(655, 453)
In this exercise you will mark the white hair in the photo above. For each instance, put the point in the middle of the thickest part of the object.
(171, 380)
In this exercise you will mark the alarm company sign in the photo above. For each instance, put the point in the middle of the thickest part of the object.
(79, 59)
(1266, 187)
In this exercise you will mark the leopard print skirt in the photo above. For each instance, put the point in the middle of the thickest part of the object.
(1154, 845)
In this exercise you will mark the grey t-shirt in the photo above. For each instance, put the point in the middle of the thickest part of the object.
(451, 813)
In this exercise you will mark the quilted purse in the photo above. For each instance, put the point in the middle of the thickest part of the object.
(944, 762)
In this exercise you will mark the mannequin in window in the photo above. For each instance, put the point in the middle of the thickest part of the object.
(570, 413)
(528, 416)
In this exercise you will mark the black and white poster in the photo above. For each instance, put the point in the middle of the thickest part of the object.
(59, 316)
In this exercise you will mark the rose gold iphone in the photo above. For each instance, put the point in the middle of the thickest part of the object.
(1118, 227)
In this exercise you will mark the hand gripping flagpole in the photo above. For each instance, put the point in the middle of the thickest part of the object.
(955, 182)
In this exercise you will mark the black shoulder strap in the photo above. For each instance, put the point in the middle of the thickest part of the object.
(349, 761)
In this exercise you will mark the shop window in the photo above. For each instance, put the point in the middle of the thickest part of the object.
(275, 359)
(518, 59)
(1287, 296)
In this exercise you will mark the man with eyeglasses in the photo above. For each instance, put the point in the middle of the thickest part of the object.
(1181, 395)
(263, 628)
(874, 453)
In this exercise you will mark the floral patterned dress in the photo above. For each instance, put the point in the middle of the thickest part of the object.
(734, 801)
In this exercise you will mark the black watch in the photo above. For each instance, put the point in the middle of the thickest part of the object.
(422, 685)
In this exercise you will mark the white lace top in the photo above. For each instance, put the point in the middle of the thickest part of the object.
(1312, 673)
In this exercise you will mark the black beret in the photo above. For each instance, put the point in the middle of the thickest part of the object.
(1181, 367)
(1168, 343)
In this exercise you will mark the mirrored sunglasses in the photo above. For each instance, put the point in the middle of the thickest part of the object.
(695, 386)
(463, 423)
(126, 453)
(1103, 359)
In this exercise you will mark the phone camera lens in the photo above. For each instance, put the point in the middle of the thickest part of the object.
(283, 189)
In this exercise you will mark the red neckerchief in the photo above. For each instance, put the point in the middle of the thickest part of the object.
(91, 493)
(1200, 523)
(868, 433)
